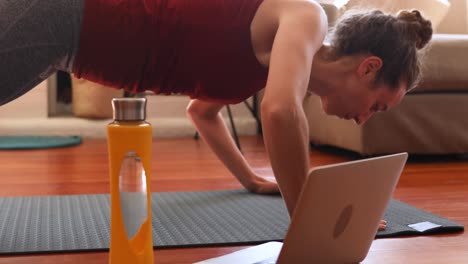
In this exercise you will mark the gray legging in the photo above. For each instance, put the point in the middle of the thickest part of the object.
(37, 38)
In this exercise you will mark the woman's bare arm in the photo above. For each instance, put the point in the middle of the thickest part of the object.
(207, 119)
(300, 34)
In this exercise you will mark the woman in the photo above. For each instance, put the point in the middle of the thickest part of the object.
(219, 52)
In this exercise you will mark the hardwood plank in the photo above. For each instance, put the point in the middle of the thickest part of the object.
(436, 184)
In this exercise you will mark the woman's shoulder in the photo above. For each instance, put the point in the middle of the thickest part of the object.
(305, 16)
(308, 11)
(286, 6)
(294, 15)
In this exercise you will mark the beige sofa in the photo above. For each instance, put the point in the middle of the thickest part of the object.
(432, 119)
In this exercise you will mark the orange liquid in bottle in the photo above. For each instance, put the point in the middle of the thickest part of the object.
(126, 137)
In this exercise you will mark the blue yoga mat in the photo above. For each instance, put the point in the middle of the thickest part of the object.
(38, 142)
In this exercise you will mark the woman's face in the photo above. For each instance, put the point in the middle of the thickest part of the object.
(358, 101)
(358, 97)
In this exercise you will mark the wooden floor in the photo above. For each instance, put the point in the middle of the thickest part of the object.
(436, 184)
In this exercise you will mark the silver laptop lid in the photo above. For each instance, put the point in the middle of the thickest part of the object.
(339, 210)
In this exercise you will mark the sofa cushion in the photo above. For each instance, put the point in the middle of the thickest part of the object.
(421, 124)
(445, 65)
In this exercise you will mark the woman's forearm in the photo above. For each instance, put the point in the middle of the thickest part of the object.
(215, 133)
(286, 140)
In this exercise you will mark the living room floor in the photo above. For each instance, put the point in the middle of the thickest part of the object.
(435, 184)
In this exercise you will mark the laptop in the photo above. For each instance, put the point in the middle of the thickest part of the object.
(336, 217)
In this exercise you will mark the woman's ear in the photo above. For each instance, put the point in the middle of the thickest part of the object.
(370, 65)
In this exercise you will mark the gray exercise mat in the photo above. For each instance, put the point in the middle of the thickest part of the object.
(400, 215)
(69, 223)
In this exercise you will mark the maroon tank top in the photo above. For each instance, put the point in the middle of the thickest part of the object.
(200, 48)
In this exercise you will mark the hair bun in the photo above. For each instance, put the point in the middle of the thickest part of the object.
(419, 28)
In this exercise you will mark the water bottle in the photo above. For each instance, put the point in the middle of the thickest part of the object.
(129, 139)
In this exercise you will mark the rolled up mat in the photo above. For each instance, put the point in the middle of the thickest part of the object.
(38, 142)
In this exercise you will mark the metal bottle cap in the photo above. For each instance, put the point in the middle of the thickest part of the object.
(129, 109)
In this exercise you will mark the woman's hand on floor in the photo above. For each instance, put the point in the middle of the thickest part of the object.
(382, 225)
(263, 185)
